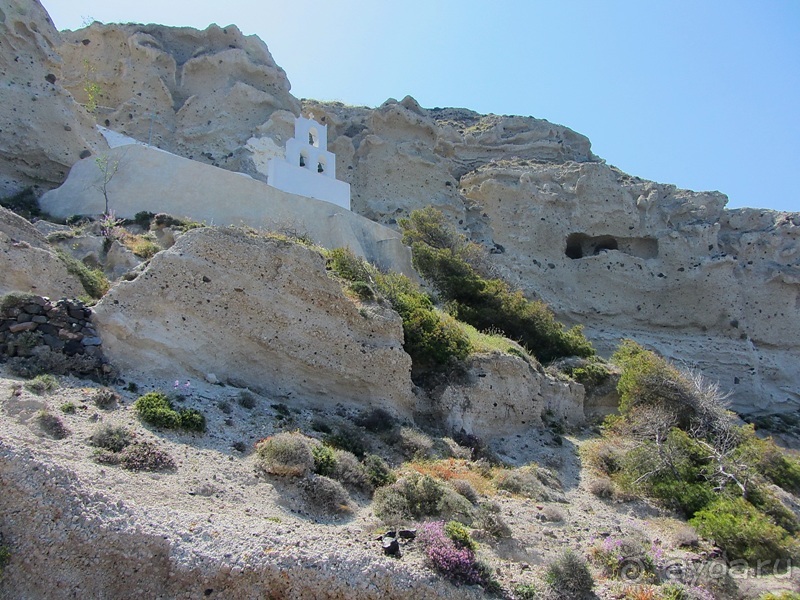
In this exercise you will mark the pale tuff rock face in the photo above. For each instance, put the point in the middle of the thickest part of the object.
(200, 94)
(28, 264)
(502, 395)
(260, 313)
(44, 132)
(711, 288)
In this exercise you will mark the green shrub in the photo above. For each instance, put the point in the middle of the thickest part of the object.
(349, 439)
(324, 460)
(143, 219)
(673, 471)
(527, 591)
(568, 576)
(411, 498)
(155, 409)
(348, 266)
(94, 281)
(111, 438)
(5, 557)
(68, 408)
(52, 425)
(41, 384)
(286, 454)
(378, 472)
(24, 203)
(460, 535)
(743, 532)
(191, 419)
(15, 300)
(431, 338)
(448, 262)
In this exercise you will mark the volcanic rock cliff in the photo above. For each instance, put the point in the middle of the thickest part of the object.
(716, 289)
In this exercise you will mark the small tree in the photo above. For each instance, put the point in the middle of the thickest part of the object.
(108, 168)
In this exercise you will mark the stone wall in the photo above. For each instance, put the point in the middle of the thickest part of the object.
(55, 336)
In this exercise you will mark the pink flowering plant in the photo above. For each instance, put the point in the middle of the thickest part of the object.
(452, 559)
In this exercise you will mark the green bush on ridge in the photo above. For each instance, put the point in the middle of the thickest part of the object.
(455, 267)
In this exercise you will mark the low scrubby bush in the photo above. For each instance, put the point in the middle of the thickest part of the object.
(246, 399)
(624, 558)
(348, 471)
(138, 456)
(490, 520)
(42, 384)
(528, 481)
(465, 488)
(105, 398)
(378, 472)
(286, 454)
(568, 576)
(415, 496)
(325, 494)
(111, 438)
(156, 409)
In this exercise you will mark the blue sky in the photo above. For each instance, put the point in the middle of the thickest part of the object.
(702, 94)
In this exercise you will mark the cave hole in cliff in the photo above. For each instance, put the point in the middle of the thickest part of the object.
(581, 245)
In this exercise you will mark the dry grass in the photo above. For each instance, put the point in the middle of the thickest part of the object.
(457, 469)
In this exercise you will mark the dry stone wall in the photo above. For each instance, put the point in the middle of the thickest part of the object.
(39, 334)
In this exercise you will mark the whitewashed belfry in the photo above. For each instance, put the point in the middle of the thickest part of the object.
(308, 169)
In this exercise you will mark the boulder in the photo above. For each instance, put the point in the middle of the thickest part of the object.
(44, 131)
(260, 313)
(28, 264)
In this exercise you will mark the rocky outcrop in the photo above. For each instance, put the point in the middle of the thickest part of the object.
(401, 156)
(259, 313)
(28, 264)
(200, 94)
(501, 395)
(712, 289)
(43, 130)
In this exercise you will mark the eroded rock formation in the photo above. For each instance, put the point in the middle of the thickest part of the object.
(29, 264)
(259, 313)
(200, 94)
(43, 131)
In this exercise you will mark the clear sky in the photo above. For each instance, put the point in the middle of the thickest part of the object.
(704, 94)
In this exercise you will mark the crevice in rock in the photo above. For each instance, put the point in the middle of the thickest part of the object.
(581, 245)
